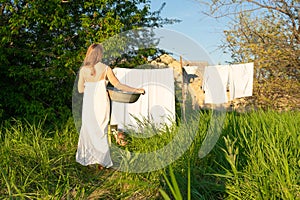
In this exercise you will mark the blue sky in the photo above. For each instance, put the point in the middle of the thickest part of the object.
(204, 30)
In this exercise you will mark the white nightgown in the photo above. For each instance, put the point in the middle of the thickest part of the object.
(93, 147)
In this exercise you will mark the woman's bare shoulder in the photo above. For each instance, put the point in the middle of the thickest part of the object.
(101, 65)
(85, 68)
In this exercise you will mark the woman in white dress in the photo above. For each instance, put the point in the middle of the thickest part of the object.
(93, 145)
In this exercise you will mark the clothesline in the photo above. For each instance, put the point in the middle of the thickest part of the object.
(158, 104)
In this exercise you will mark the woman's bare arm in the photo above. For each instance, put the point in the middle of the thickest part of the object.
(80, 82)
(117, 84)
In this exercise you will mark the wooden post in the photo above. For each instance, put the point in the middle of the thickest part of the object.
(183, 88)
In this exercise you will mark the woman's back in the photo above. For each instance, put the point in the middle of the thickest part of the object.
(85, 72)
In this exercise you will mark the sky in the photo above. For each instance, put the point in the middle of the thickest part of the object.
(203, 30)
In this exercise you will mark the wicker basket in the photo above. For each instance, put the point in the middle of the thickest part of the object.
(122, 96)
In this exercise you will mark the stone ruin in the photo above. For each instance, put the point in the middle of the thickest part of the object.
(193, 82)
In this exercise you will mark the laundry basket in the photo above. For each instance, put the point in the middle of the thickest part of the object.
(122, 96)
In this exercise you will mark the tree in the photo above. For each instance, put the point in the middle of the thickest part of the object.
(268, 34)
(43, 44)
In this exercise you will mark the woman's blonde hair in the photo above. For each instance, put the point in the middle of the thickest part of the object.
(93, 56)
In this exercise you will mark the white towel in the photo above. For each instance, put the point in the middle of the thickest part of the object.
(158, 103)
(215, 80)
(241, 80)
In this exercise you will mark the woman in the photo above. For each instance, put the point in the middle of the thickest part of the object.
(93, 145)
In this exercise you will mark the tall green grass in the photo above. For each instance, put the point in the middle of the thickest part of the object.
(261, 151)
(38, 163)
(256, 157)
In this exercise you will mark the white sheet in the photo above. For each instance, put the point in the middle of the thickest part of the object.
(215, 81)
(241, 80)
(156, 106)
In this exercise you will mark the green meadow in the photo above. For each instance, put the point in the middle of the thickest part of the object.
(255, 157)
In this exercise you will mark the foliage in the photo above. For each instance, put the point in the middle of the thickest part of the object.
(43, 44)
(268, 34)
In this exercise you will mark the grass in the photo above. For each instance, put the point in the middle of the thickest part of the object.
(256, 157)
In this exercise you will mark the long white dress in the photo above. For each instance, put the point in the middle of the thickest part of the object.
(93, 145)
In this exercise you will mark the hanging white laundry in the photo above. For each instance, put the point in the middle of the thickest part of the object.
(123, 114)
(241, 80)
(156, 106)
(161, 96)
(215, 80)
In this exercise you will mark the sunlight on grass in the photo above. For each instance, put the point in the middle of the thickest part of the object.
(256, 157)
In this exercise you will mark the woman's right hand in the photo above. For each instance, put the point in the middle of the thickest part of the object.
(141, 91)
